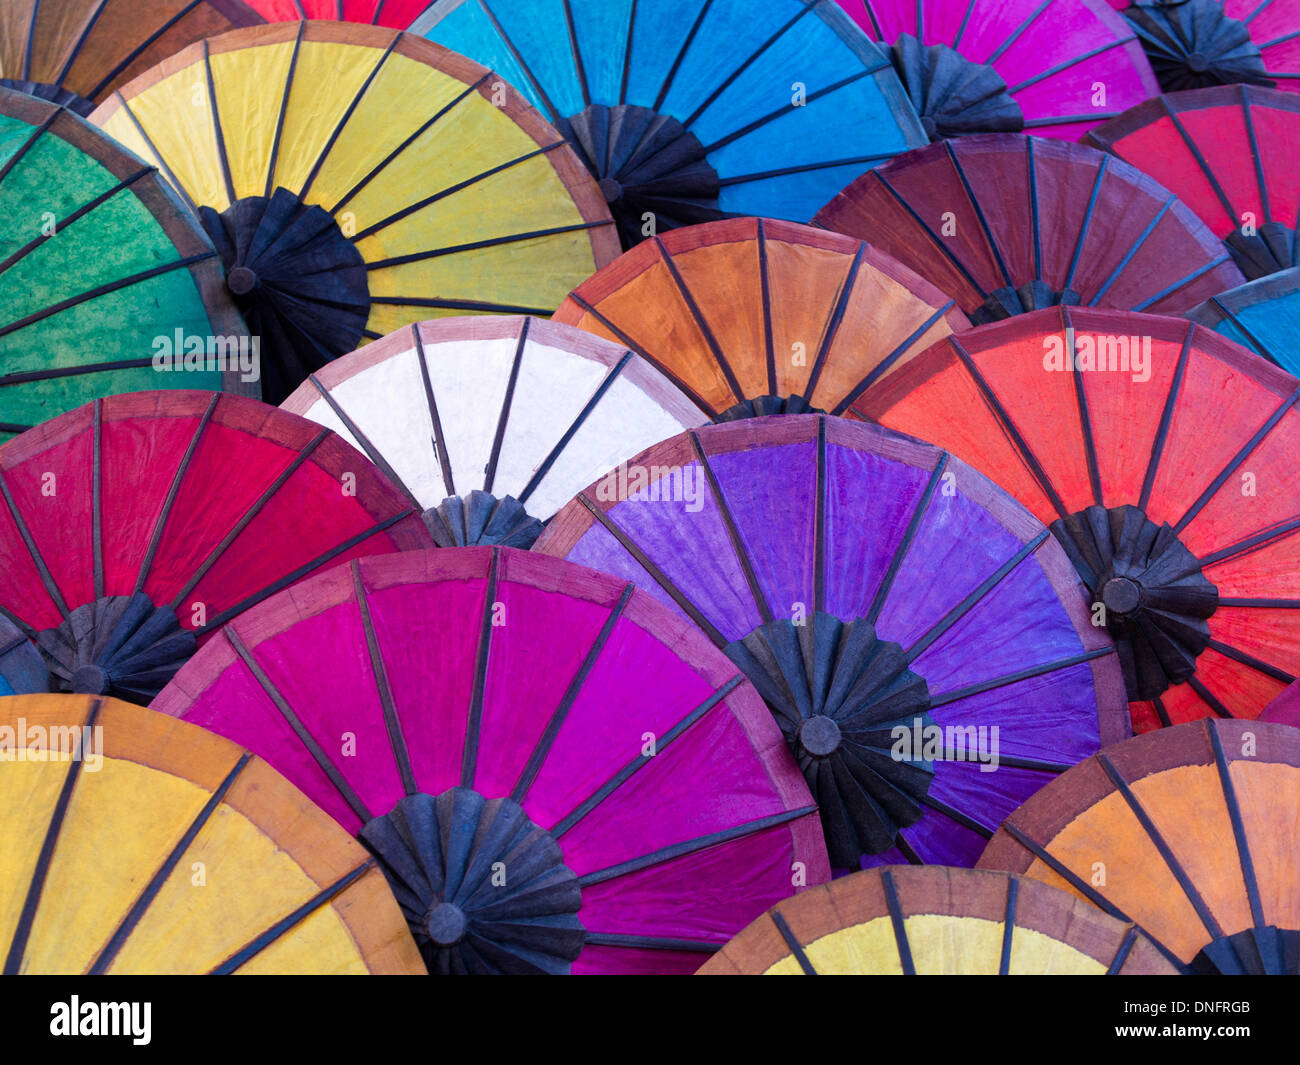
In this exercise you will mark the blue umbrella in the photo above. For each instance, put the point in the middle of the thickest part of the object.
(1262, 315)
(688, 110)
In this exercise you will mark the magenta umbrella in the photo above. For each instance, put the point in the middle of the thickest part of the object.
(556, 773)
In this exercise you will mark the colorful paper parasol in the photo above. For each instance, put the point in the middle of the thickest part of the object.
(75, 52)
(1164, 465)
(102, 273)
(1263, 315)
(1009, 224)
(1228, 153)
(1050, 67)
(138, 523)
(497, 724)
(214, 863)
(688, 110)
(918, 636)
(355, 179)
(1190, 832)
(904, 921)
(750, 316)
(478, 418)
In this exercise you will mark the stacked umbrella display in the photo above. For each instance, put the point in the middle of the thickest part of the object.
(741, 475)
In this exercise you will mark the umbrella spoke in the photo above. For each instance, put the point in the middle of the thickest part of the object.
(551, 112)
(490, 471)
(831, 332)
(479, 245)
(392, 720)
(1258, 665)
(611, 939)
(796, 948)
(474, 724)
(898, 924)
(47, 578)
(1085, 420)
(1244, 859)
(439, 439)
(938, 699)
(1008, 926)
(222, 155)
(1166, 419)
(701, 323)
(273, 160)
(138, 128)
(1051, 72)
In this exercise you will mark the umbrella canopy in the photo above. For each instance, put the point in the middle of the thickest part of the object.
(1008, 224)
(396, 14)
(1189, 832)
(1263, 315)
(686, 110)
(1285, 709)
(1228, 153)
(281, 888)
(1161, 455)
(902, 920)
(1053, 67)
(76, 52)
(750, 316)
(136, 524)
(1193, 44)
(354, 179)
(478, 418)
(507, 720)
(807, 548)
(102, 273)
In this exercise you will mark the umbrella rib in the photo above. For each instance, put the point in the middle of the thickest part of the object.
(97, 495)
(1249, 334)
(1122, 953)
(1085, 416)
(19, 623)
(1008, 925)
(347, 116)
(141, 48)
(1258, 539)
(1065, 120)
(965, 21)
(979, 211)
(1161, 712)
(383, 163)
(503, 416)
(1014, 761)
(605, 385)
(905, 544)
(523, 63)
(29, 44)
(934, 237)
(102, 290)
(439, 443)
(819, 529)
(31, 140)
(765, 294)
(831, 331)
(282, 926)
(1017, 33)
(543, 749)
(803, 168)
(80, 212)
(897, 923)
(738, 545)
(460, 305)
(47, 578)
(252, 512)
(162, 163)
(479, 245)
(357, 434)
(624, 774)
(960, 610)
(36, 885)
(953, 814)
(1087, 221)
(1237, 460)
(217, 131)
(379, 670)
(1200, 159)
(1161, 845)
(957, 694)
(792, 941)
(885, 364)
(1214, 264)
(660, 578)
(875, 23)
(155, 536)
(1281, 604)
(701, 323)
(302, 571)
(1008, 426)
(628, 342)
(1131, 251)
(1069, 63)
(109, 952)
(687, 41)
(1166, 419)
(1257, 664)
(1238, 829)
(1255, 155)
(1210, 699)
(1035, 221)
(905, 848)
(578, 66)
(611, 939)
(474, 722)
(627, 54)
(1257, 11)
(690, 846)
(299, 729)
(273, 161)
(74, 53)
(374, 19)
(1280, 40)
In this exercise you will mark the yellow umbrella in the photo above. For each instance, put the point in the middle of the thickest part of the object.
(356, 180)
(131, 842)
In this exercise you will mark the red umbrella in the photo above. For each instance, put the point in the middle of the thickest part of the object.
(555, 771)
(396, 14)
(1164, 463)
(135, 524)
(1229, 154)
(1008, 224)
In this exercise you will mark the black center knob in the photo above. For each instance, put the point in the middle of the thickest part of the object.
(1197, 63)
(90, 680)
(611, 190)
(930, 126)
(241, 280)
(446, 924)
(1121, 595)
(820, 736)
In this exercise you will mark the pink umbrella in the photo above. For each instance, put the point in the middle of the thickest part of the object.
(557, 773)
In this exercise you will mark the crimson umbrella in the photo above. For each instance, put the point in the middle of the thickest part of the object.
(396, 14)
(1053, 67)
(1189, 832)
(136, 525)
(1008, 224)
(1228, 153)
(910, 626)
(1162, 455)
(1263, 315)
(500, 726)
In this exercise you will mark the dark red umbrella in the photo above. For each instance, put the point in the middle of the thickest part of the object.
(1006, 224)
(1228, 153)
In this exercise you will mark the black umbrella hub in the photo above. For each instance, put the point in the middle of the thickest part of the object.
(644, 163)
(1266, 951)
(761, 406)
(953, 95)
(482, 520)
(1193, 44)
(483, 889)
